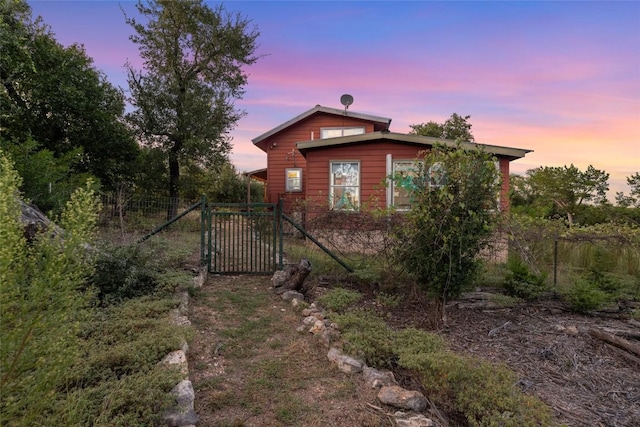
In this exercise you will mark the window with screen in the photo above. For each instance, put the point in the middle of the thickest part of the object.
(344, 191)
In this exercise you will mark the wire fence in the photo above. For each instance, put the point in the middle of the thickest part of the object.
(139, 214)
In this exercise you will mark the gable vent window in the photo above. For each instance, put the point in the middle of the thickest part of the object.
(335, 132)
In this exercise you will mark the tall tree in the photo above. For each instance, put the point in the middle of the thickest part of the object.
(563, 189)
(633, 199)
(54, 96)
(193, 73)
(454, 128)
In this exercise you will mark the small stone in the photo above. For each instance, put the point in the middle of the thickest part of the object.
(403, 419)
(309, 311)
(301, 328)
(329, 336)
(289, 295)
(178, 358)
(183, 414)
(572, 330)
(376, 379)
(309, 320)
(349, 365)
(318, 327)
(401, 398)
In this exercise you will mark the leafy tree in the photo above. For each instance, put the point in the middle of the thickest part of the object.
(561, 190)
(455, 128)
(54, 96)
(47, 180)
(451, 220)
(193, 72)
(633, 199)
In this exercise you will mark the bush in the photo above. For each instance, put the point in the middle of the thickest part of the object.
(41, 303)
(367, 337)
(487, 395)
(339, 299)
(585, 295)
(483, 393)
(123, 272)
(522, 283)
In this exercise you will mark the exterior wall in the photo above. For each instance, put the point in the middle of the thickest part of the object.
(373, 171)
(281, 146)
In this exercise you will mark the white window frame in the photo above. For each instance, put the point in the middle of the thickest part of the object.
(344, 202)
(336, 132)
(412, 164)
(293, 180)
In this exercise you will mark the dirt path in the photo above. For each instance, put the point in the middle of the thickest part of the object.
(250, 367)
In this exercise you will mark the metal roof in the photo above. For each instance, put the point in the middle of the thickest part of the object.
(321, 109)
(510, 152)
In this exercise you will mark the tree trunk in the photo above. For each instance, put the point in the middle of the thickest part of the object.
(174, 183)
(295, 277)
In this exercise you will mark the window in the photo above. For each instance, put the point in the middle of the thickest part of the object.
(294, 180)
(344, 191)
(436, 175)
(340, 131)
(404, 173)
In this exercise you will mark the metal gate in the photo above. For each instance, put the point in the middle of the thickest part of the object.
(241, 238)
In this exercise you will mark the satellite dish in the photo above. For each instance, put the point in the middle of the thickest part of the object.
(346, 100)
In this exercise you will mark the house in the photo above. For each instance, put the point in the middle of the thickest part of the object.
(342, 158)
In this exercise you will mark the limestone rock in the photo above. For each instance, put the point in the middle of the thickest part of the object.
(376, 379)
(401, 398)
(183, 414)
(404, 419)
(178, 358)
(289, 295)
(318, 327)
(345, 363)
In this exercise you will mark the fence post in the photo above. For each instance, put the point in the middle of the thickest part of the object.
(203, 207)
(281, 233)
(555, 264)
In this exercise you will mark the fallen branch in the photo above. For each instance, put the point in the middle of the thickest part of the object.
(624, 354)
(623, 333)
(616, 341)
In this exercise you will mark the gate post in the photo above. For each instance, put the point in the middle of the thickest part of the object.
(203, 207)
(280, 233)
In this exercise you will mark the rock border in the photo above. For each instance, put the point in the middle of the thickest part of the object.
(183, 413)
(389, 392)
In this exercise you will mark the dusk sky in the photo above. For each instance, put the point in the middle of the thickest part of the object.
(559, 78)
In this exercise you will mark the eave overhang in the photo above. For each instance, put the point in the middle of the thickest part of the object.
(401, 138)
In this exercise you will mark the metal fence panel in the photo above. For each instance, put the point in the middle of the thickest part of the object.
(243, 238)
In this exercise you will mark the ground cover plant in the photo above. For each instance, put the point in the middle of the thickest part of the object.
(74, 350)
(482, 393)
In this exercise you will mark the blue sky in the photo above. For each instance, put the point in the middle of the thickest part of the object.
(559, 78)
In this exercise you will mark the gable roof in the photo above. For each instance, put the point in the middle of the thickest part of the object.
(384, 121)
(427, 141)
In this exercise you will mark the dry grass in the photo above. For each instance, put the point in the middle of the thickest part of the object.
(250, 367)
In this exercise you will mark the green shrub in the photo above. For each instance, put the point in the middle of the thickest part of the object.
(585, 296)
(367, 337)
(123, 272)
(388, 301)
(41, 304)
(339, 299)
(522, 283)
(487, 395)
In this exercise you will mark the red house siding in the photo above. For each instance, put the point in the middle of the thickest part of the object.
(373, 170)
(282, 153)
